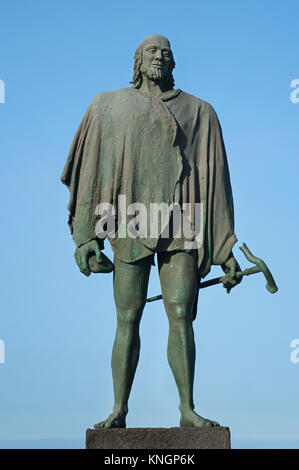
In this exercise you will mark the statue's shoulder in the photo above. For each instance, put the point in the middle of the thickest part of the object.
(197, 103)
(108, 99)
(108, 96)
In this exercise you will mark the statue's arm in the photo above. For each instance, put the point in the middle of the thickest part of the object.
(81, 179)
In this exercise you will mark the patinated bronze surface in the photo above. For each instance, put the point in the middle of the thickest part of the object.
(154, 144)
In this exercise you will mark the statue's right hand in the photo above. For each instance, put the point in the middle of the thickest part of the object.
(83, 253)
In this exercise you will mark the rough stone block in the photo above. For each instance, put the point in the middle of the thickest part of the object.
(159, 438)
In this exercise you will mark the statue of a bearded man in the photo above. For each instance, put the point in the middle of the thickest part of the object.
(143, 146)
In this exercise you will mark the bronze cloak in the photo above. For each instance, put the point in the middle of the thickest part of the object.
(152, 149)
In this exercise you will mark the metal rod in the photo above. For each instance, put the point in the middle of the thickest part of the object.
(216, 280)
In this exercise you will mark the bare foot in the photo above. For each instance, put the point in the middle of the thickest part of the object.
(192, 419)
(115, 420)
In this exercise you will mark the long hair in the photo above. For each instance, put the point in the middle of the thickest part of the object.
(137, 75)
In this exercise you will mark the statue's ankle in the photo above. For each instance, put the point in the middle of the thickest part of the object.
(186, 408)
(120, 408)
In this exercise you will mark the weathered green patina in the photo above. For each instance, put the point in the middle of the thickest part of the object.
(167, 149)
(153, 144)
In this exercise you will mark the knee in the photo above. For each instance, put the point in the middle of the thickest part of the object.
(178, 312)
(129, 317)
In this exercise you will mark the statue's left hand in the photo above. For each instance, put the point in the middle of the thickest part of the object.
(83, 253)
(230, 268)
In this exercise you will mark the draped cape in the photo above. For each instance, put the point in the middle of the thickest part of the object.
(152, 150)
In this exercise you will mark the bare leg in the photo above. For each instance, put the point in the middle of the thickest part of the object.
(130, 289)
(178, 276)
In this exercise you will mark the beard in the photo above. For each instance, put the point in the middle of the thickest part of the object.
(154, 73)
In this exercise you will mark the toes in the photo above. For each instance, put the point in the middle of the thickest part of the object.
(207, 424)
(198, 421)
(110, 423)
(98, 425)
(214, 423)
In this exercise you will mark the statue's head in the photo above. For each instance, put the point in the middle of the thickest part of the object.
(154, 59)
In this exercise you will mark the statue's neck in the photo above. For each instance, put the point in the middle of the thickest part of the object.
(154, 87)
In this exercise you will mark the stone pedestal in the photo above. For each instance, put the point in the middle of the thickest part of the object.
(158, 438)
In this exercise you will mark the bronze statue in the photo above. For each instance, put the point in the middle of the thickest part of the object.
(152, 144)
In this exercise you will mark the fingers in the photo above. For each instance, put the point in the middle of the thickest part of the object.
(230, 279)
(229, 283)
(81, 257)
(83, 253)
(233, 270)
(98, 254)
(77, 257)
(238, 269)
(84, 268)
(233, 281)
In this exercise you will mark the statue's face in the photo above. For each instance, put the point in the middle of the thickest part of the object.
(156, 57)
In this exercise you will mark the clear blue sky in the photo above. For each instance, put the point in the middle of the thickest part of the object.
(57, 325)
